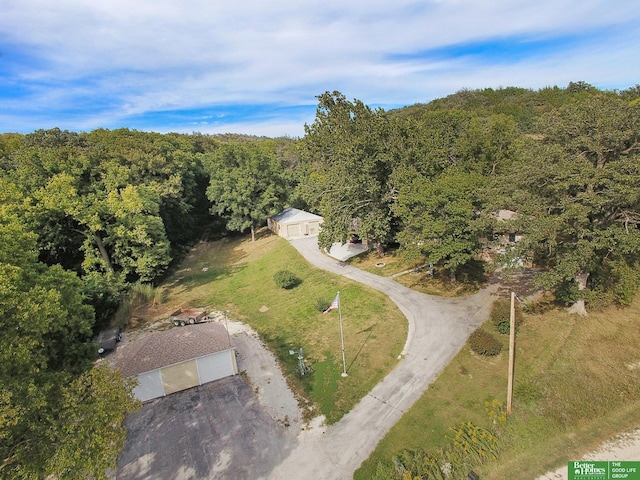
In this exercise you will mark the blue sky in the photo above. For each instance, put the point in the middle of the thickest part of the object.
(256, 67)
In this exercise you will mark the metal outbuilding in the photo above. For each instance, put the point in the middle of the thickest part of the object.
(172, 360)
(293, 223)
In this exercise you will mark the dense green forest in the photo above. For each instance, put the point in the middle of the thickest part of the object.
(85, 216)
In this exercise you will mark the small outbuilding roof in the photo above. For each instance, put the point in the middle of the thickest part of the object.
(506, 215)
(161, 349)
(293, 215)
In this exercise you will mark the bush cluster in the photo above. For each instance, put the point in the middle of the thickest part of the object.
(285, 279)
(470, 447)
(501, 315)
(322, 304)
(483, 343)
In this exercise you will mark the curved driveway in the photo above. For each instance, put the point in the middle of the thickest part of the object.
(438, 329)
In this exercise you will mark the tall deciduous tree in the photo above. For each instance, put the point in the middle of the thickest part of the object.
(441, 216)
(346, 153)
(577, 190)
(247, 183)
(58, 416)
(71, 180)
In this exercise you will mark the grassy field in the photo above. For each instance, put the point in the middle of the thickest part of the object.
(577, 382)
(471, 278)
(236, 275)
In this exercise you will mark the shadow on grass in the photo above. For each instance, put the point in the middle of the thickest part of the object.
(369, 331)
(206, 263)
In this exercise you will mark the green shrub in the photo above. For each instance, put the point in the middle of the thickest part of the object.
(483, 343)
(501, 315)
(322, 304)
(285, 279)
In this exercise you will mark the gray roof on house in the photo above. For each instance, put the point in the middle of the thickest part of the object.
(293, 215)
(153, 350)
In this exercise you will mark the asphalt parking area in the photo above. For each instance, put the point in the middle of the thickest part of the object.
(215, 431)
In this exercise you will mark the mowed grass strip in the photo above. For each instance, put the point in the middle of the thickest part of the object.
(416, 276)
(577, 384)
(236, 275)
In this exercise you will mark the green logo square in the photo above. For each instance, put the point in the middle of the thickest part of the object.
(597, 470)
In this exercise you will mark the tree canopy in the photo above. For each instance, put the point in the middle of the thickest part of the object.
(347, 164)
(51, 399)
(247, 184)
(432, 177)
(576, 188)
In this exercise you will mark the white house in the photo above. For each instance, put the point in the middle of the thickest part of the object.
(293, 223)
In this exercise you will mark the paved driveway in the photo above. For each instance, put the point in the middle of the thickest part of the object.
(217, 430)
(438, 329)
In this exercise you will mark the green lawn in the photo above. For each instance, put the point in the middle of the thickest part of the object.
(471, 278)
(237, 275)
(577, 383)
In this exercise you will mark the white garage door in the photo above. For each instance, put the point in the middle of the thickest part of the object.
(192, 373)
(213, 367)
(293, 230)
(149, 386)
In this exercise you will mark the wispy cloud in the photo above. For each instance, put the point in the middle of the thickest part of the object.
(256, 67)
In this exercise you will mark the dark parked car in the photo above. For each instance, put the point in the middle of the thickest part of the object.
(107, 339)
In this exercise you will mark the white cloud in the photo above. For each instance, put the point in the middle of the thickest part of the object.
(152, 55)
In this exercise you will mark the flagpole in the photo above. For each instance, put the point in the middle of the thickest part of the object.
(344, 362)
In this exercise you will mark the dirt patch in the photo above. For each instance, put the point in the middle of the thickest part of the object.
(148, 313)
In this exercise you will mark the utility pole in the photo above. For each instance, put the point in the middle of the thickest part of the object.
(512, 343)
